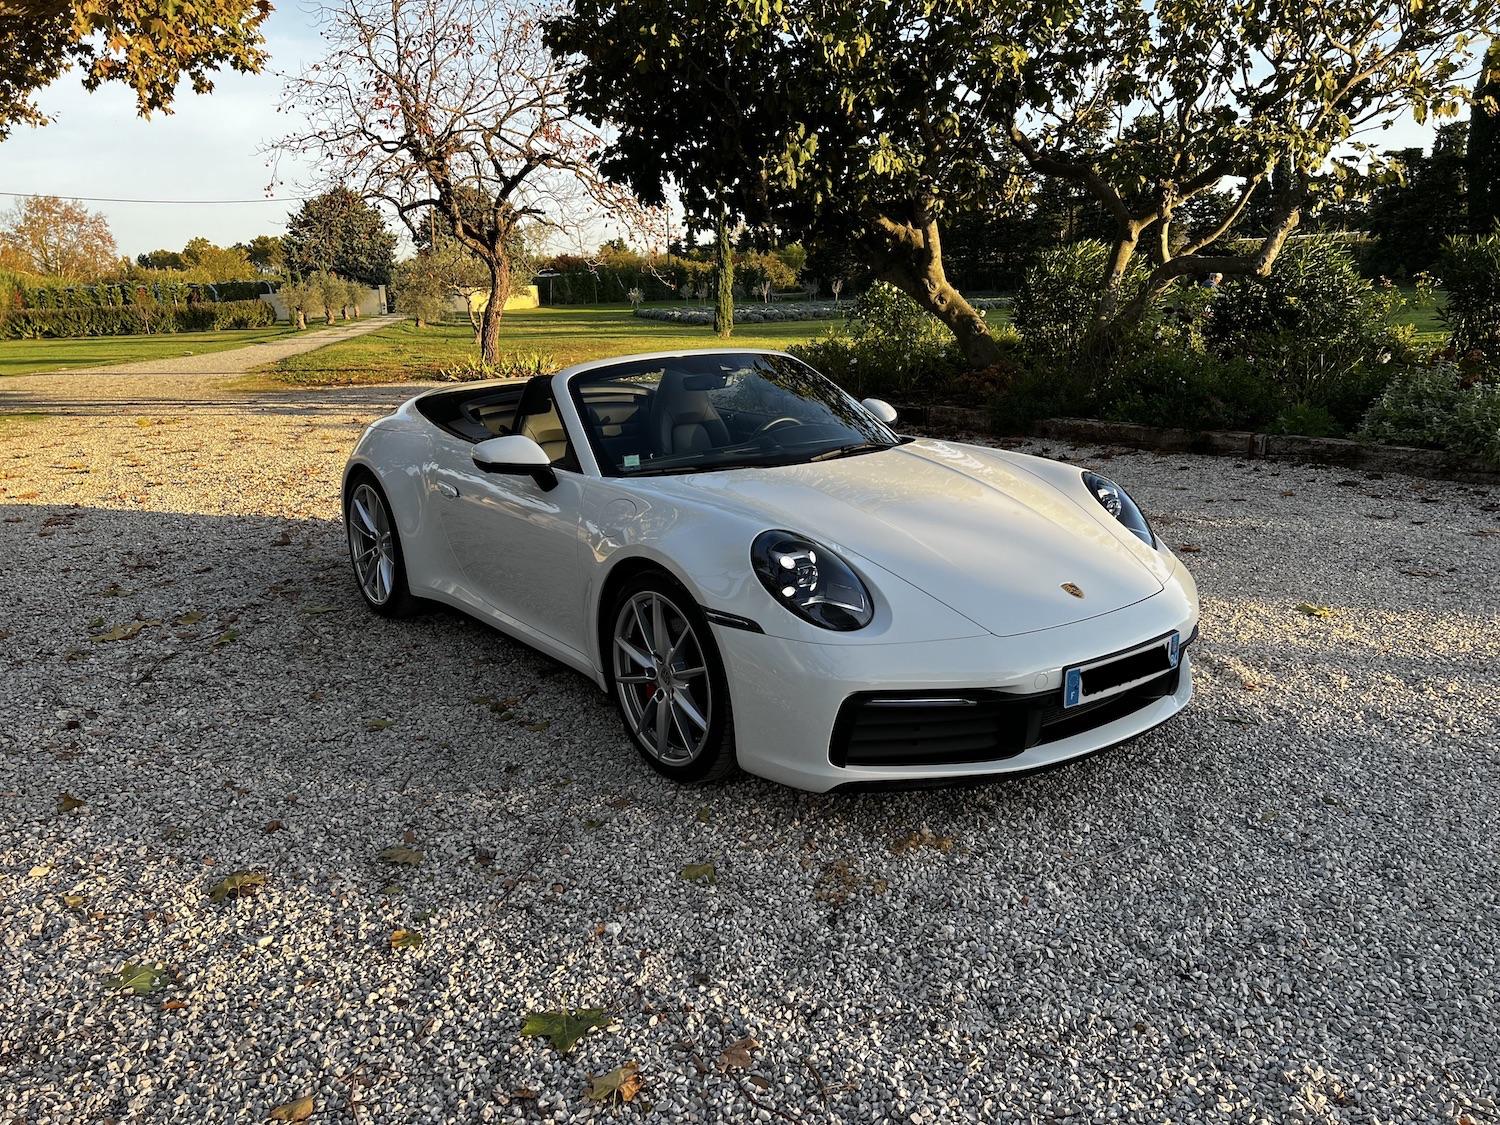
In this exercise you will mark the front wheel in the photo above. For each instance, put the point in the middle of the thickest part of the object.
(669, 682)
(375, 550)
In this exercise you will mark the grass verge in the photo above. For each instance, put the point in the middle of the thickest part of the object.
(569, 334)
(32, 357)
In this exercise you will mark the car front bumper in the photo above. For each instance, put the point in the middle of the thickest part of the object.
(788, 695)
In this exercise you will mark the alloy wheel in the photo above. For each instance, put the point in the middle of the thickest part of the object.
(662, 678)
(370, 543)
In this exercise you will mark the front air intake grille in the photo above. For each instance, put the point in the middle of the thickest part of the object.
(928, 729)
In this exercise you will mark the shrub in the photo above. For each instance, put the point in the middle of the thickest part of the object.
(1316, 330)
(510, 365)
(1055, 305)
(1470, 268)
(1441, 407)
(888, 347)
(241, 314)
(301, 301)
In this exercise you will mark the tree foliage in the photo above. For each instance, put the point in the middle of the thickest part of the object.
(338, 232)
(44, 234)
(148, 45)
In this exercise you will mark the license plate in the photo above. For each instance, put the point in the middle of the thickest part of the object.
(1110, 675)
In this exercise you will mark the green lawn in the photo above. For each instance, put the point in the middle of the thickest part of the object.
(1424, 316)
(27, 357)
(566, 333)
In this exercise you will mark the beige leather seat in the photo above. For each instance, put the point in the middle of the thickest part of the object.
(547, 431)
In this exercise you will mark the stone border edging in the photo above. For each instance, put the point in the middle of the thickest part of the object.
(1229, 443)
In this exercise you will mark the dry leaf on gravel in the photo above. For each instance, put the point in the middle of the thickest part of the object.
(406, 939)
(1312, 610)
(120, 632)
(191, 617)
(240, 884)
(564, 1028)
(140, 979)
(378, 724)
(66, 802)
(923, 838)
(400, 853)
(738, 1056)
(299, 1110)
(700, 873)
(619, 1085)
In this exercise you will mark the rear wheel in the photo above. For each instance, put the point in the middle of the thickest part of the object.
(669, 682)
(375, 550)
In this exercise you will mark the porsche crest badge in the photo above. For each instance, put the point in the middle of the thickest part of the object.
(1073, 588)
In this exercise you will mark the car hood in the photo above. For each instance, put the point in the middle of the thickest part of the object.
(984, 537)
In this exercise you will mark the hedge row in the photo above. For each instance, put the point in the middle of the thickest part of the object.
(23, 292)
(134, 320)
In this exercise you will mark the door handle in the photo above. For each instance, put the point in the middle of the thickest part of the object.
(447, 489)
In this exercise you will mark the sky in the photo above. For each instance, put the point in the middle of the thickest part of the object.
(210, 148)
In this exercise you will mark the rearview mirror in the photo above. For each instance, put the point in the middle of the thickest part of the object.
(517, 455)
(881, 409)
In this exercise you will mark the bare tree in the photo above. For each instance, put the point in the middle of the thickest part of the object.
(452, 109)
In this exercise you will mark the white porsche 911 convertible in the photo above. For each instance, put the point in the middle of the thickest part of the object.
(764, 574)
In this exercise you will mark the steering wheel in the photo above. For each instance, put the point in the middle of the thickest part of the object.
(777, 422)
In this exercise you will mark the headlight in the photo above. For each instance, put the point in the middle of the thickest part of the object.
(1117, 502)
(811, 581)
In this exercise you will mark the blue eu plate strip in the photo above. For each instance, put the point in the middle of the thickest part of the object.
(1073, 688)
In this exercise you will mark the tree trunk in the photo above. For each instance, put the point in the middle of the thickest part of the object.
(301, 318)
(724, 304)
(911, 258)
(489, 325)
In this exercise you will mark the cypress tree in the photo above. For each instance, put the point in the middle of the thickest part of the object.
(1484, 147)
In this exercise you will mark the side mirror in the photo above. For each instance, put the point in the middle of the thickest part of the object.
(516, 455)
(881, 409)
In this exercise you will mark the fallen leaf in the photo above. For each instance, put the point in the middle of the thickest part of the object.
(40, 871)
(400, 853)
(923, 838)
(564, 1028)
(539, 726)
(409, 836)
(299, 1110)
(120, 632)
(1187, 549)
(700, 873)
(524, 1093)
(621, 1084)
(73, 902)
(241, 884)
(173, 1005)
(273, 826)
(1315, 610)
(228, 636)
(405, 939)
(378, 724)
(191, 617)
(704, 814)
(737, 1056)
(66, 802)
(282, 540)
(140, 979)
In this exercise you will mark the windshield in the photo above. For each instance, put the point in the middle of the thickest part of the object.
(701, 413)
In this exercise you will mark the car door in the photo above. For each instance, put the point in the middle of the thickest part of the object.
(517, 543)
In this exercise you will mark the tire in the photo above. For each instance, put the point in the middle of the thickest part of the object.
(694, 752)
(375, 549)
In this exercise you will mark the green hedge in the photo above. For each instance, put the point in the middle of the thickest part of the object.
(20, 291)
(133, 320)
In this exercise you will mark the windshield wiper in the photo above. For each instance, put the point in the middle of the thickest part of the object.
(850, 450)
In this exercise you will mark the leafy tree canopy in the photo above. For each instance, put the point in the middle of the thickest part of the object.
(148, 45)
(340, 233)
(57, 238)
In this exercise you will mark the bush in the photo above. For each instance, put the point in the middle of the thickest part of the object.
(510, 365)
(1470, 269)
(1055, 305)
(1315, 330)
(241, 314)
(888, 348)
(1441, 407)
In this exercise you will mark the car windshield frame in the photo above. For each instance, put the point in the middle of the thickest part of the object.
(870, 435)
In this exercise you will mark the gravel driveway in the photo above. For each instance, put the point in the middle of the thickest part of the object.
(1281, 907)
